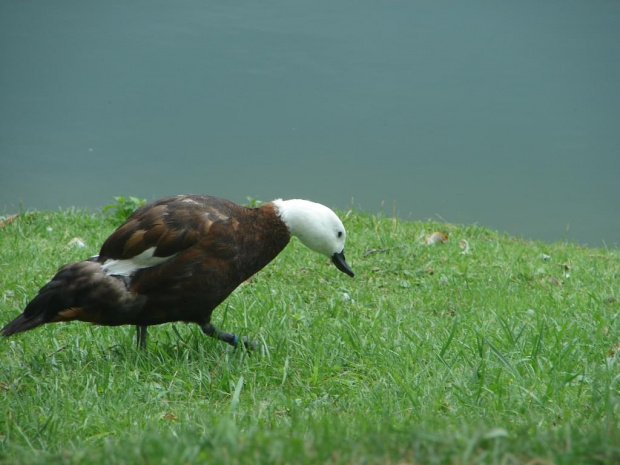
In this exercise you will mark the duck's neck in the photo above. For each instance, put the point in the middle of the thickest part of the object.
(294, 214)
(265, 236)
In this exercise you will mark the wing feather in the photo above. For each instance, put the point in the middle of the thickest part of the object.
(159, 231)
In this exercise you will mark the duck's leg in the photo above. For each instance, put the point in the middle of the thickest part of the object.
(141, 336)
(228, 338)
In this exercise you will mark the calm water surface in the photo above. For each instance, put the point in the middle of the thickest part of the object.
(505, 114)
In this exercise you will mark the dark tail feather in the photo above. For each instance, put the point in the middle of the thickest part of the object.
(52, 298)
(79, 291)
(35, 315)
(21, 324)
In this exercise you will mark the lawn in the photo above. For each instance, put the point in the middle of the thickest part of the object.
(483, 349)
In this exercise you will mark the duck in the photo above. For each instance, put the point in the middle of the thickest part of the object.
(177, 259)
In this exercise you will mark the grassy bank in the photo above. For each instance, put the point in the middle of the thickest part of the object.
(483, 349)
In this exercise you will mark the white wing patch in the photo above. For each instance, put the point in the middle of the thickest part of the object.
(131, 265)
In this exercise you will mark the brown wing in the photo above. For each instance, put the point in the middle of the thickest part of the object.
(170, 225)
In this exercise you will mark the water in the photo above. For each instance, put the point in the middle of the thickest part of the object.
(505, 114)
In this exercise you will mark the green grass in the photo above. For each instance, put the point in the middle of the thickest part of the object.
(508, 354)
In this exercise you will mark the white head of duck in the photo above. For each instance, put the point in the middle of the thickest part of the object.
(317, 227)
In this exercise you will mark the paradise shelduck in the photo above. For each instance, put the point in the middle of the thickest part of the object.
(177, 259)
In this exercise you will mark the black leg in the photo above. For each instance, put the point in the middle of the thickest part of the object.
(228, 338)
(141, 336)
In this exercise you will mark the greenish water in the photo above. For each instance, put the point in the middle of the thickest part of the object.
(505, 114)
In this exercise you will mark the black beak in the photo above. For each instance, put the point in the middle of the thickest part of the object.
(340, 262)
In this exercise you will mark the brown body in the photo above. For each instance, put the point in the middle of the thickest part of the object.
(212, 245)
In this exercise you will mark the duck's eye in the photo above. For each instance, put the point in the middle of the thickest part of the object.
(339, 233)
